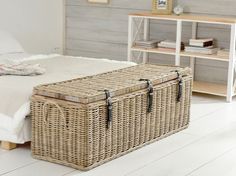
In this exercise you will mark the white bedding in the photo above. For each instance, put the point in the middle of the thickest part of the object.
(15, 91)
(14, 56)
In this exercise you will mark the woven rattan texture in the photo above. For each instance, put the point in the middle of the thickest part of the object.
(76, 135)
(91, 88)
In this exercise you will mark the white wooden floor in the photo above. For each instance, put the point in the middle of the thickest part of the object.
(207, 148)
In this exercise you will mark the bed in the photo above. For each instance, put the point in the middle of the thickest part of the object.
(15, 91)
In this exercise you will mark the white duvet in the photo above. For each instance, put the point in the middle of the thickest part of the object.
(15, 91)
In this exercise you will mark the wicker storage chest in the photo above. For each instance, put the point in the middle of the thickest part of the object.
(85, 122)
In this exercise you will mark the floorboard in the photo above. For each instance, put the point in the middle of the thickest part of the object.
(208, 147)
(15, 159)
(41, 168)
(193, 156)
(221, 166)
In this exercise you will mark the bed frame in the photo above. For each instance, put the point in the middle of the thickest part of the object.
(8, 145)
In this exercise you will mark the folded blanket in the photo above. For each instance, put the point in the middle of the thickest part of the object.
(21, 69)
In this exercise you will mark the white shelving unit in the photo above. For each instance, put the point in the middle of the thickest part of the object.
(139, 23)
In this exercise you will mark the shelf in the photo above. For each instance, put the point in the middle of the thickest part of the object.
(189, 18)
(210, 88)
(222, 56)
(139, 24)
(153, 50)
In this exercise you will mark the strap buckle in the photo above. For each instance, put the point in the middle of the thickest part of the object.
(109, 108)
(180, 86)
(150, 94)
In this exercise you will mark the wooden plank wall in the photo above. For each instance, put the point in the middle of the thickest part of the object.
(101, 31)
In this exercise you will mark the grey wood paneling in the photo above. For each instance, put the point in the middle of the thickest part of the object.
(101, 31)
(214, 7)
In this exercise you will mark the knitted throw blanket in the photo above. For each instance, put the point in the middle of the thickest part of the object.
(21, 69)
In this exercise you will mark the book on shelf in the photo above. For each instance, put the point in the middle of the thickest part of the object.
(146, 44)
(201, 42)
(169, 44)
(202, 50)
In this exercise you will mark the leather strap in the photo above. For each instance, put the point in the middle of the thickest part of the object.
(150, 94)
(109, 108)
(180, 86)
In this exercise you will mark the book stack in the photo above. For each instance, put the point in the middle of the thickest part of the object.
(202, 46)
(146, 44)
(169, 45)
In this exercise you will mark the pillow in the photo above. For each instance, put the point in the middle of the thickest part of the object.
(8, 44)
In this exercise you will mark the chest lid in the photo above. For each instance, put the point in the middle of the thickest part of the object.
(91, 88)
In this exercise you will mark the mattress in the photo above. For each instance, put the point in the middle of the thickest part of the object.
(14, 56)
(16, 90)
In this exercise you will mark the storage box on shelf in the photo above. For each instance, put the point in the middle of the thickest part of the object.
(222, 55)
